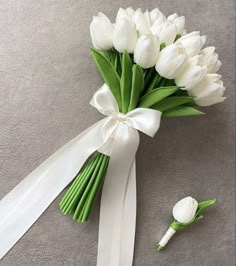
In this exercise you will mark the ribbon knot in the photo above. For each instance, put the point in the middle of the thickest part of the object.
(143, 119)
(122, 118)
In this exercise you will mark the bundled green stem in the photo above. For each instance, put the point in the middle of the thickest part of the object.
(81, 195)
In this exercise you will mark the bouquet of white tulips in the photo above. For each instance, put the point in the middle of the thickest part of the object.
(152, 69)
(147, 61)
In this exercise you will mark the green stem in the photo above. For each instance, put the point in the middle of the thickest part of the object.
(94, 191)
(76, 190)
(81, 195)
(70, 193)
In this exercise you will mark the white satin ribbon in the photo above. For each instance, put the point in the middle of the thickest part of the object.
(117, 137)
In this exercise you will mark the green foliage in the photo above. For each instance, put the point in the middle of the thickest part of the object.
(108, 73)
(156, 96)
(202, 206)
(137, 86)
(126, 81)
(134, 87)
(171, 102)
(182, 111)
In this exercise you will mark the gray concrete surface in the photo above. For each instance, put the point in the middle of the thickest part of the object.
(47, 78)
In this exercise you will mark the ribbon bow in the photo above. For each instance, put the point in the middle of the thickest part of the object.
(117, 136)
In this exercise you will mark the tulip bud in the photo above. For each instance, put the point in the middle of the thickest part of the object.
(101, 30)
(179, 23)
(191, 74)
(172, 17)
(185, 210)
(125, 36)
(122, 13)
(209, 91)
(192, 42)
(125, 13)
(141, 22)
(146, 51)
(210, 59)
(171, 60)
(148, 18)
(130, 11)
(156, 15)
(166, 32)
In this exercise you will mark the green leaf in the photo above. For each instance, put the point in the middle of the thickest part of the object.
(177, 226)
(150, 74)
(171, 102)
(117, 64)
(105, 54)
(126, 81)
(137, 86)
(202, 206)
(153, 82)
(156, 95)
(162, 83)
(108, 73)
(196, 219)
(177, 37)
(182, 111)
(162, 46)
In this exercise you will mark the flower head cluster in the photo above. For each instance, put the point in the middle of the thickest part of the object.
(163, 43)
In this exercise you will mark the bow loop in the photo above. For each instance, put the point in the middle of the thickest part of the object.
(104, 101)
(143, 119)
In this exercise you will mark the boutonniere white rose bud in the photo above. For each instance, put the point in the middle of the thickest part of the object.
(187, 211)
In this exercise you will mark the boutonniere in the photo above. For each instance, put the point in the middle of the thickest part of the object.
(186, 212)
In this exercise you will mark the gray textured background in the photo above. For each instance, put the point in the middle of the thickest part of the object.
(47, 78)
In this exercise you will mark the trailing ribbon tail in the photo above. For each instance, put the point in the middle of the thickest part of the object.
(114, 192)
(22, 206)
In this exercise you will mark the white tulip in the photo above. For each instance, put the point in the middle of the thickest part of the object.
(101, 30)
(172, 17)
(166, 32)
(209, 91)
(191, 74)
(130, 11)
(125, 13)
(141, 22)
(156, 15)
(121, 14)
(192, 42)
(179, 23)
(185, 210)
(125, 36)
(171, 60)
(147, 50)
(148, 18)
(210, 59)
